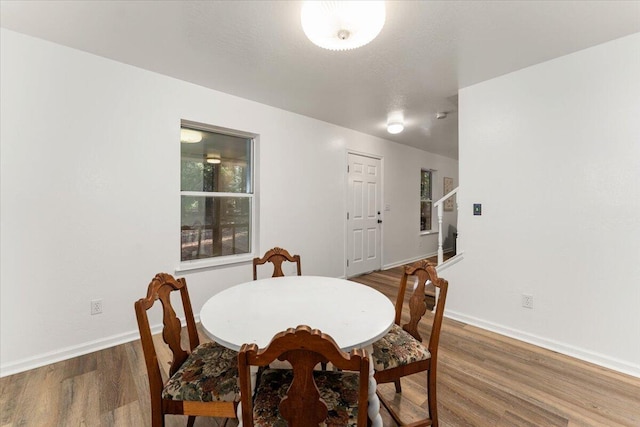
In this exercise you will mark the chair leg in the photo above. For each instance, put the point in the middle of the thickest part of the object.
(433, 402)
(398, 386)
(157, 418)
(191, 420)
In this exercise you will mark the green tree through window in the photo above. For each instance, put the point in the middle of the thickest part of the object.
(216, 194)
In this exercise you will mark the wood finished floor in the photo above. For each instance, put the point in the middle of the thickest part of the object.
(485, 379)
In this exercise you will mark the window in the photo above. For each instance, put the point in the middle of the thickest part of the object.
(216, 192)
(425, 199)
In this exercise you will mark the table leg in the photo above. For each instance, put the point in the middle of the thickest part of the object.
(374, 402)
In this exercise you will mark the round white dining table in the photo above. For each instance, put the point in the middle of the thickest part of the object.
(353, 314)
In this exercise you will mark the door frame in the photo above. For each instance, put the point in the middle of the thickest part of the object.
(346, 204)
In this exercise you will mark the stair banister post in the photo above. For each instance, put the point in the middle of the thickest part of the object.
(458, 250)
(440, 251)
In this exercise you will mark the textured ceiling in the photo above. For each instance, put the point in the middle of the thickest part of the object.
(426, 51)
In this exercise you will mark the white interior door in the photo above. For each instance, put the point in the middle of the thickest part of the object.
(364, 221)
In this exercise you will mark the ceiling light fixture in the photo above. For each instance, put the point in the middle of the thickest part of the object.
(213, 160)
(342, 25)
(395, 127)
(189, 136)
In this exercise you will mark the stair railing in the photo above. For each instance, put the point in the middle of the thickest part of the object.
(440, 205)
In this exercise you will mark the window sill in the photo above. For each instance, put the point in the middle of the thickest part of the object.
(427, 233)
(188, 266)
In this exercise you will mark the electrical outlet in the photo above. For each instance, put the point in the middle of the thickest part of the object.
(96, 306)
(527, 301)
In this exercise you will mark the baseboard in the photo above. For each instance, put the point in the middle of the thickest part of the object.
(568, 350)
(75, 351)
(66, 353)
(406, 261)
(410, 260)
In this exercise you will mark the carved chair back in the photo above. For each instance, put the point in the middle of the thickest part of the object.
(304, 348)
(161, 288)
(276, 256)
(424, 272)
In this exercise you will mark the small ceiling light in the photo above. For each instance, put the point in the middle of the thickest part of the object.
(189, 136)
(342, 25)
(213, 160)
(395, 127)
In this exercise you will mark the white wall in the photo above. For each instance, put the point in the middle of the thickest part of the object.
(553, 154)
(90, 194)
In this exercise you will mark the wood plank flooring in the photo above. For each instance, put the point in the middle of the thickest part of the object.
(484, 379)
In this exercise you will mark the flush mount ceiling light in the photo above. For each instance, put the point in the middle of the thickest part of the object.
(342, 25)
(213, 160)
(395, 121)
(395, 127)
(189, 136)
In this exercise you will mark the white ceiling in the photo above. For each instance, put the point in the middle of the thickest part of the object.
(426, 51)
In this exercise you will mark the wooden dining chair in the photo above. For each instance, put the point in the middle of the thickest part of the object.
(203, 379)
(276, 256)
(401, 352)
(302, 396)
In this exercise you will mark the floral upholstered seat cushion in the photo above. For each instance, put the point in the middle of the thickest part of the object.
(209, 374)
(339, 390)
(397, 348)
